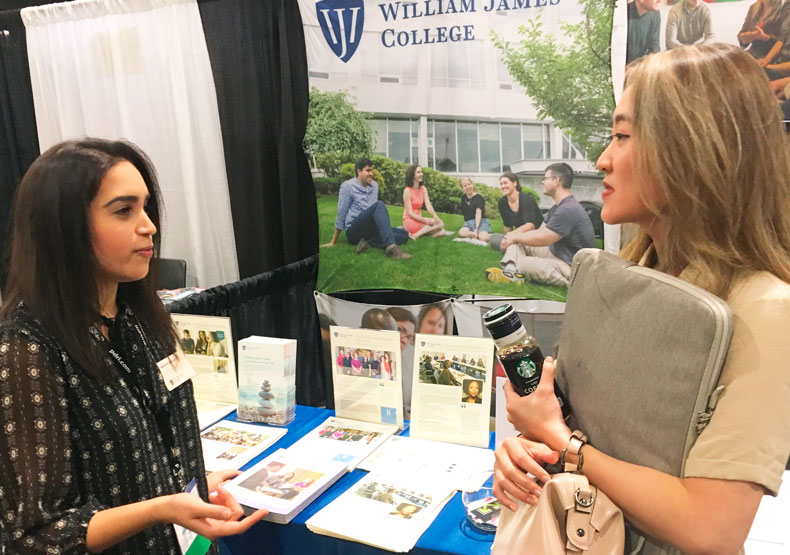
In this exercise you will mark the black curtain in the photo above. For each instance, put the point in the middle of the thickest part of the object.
(259, 62)
(18, 136)
(278, 303)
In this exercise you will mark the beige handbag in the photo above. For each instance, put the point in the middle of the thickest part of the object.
(571, 516)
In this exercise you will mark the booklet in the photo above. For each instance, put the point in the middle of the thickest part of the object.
(343, 440)
(284, 483)
(229, 444)
(389, 511)
(451, 391)
(367, 375)
(466, 468)
(208, 344)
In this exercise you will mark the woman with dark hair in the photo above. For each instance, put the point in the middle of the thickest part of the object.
(415, 195)
(519, 211)
(761, 32)
(432, 319)
(202, 343)
(472, 389)
(97, 449)
(704, 174)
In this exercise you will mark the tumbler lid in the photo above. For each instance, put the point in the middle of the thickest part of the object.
(502, 321)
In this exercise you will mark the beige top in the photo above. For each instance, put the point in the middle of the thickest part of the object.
(748, 437)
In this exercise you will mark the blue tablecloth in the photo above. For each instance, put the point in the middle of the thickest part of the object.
(449, 533)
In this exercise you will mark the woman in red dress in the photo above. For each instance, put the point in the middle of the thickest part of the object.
(415, 195)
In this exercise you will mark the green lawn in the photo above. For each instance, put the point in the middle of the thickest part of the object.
(437, 264)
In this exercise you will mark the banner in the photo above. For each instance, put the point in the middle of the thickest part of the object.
(458, 106)
(407, 320)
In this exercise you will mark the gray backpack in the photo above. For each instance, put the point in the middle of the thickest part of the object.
(639, 360)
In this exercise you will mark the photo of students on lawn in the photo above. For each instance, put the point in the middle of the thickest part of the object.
(364, 217)
(544, 255)
(527, 256)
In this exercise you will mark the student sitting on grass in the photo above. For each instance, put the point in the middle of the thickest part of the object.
(544, 255)
(364, 217)
(415, 195)
(473, 209)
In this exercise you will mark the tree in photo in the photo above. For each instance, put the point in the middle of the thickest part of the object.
(336, 131)
(568, 83)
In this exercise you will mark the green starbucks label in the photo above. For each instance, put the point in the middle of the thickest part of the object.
(526, 368)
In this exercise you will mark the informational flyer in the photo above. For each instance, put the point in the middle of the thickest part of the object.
(208, 344)
(229, 444)
(367, 376)
(451, 391)
(343, 440)
(390, 511)
(466, 468)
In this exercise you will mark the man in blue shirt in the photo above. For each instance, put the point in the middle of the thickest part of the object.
(544, 255)
(364, 217)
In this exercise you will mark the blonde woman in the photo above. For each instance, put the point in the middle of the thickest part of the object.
(712, 207)
(473, 209)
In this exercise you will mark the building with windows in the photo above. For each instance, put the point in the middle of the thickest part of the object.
(451, 106)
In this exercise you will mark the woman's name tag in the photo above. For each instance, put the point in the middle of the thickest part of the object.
(175, 369)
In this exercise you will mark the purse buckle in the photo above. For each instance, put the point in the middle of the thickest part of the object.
(585, 499)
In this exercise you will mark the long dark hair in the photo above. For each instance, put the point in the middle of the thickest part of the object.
(53, 266)
(510, 176)
(410, 171)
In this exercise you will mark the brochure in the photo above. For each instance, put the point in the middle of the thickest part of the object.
(367, 375)
(284, 483)
(208, 344)
(229, 444)
(389, 511)
(466, 468)
(267, 380)
(451, 391)
(343, 440)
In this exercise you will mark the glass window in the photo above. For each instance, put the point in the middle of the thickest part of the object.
(379, 127)
(399, 140)
(489, 148)
(431, 158)
(502, 74)
(477, 65)
(444, 145)
(511, 144)
(467, 146)
(569, 150)
(532, 137)
(439, 65)
(458, 66)
(415, 140)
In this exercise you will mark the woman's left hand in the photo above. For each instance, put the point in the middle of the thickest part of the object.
(513, 460)
(219, 477)
(538, 416)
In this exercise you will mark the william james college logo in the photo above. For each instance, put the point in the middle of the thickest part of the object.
(341, 22)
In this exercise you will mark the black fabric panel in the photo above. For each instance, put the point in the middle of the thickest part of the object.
(278, 303)
(18, 135)
(259, 62)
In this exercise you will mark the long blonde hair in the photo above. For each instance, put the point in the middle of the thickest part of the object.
(711, 139)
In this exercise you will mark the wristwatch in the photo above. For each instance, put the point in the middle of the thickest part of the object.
(574, 447)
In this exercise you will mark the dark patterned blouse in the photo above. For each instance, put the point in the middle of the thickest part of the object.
(73, 444)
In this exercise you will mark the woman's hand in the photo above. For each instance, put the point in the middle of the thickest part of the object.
(538, 415)
(219, 477)
(513, 459)
(210, 520)
(760, 34)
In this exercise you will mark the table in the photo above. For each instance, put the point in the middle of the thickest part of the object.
(449, 533)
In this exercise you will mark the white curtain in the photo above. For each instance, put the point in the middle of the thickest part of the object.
(139, 70)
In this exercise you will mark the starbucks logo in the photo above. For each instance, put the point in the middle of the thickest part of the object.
(526, 368)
